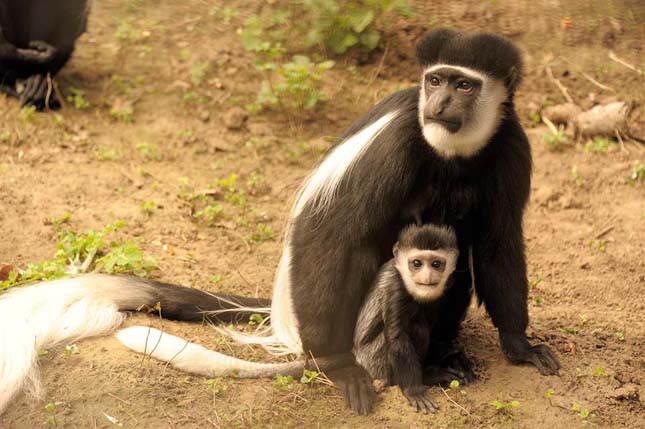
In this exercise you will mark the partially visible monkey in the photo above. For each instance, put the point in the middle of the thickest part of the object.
(37, 38)
(392, 332)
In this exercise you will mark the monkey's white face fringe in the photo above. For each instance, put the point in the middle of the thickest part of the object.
(472, 137)
(425, 293)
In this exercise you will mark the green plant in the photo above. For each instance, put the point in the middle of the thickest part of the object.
(262, 233)
(122, 111)
(217, 279)
(505, 407)
(299, 86)
(149, 151)
(126, 257)
(216, 385)
(27, 114)
(342, 25)
(211, 213)
(284, 381)
(77, 98)
(148, 207)
(198, 72)
(576, 176)
(71, 349)
(555, 140)
(6, 136)
(581, 411)
(106, 153)
(51, 408)
(535, 119)
(599, 145)
(309, 377)
(599, 371)
(256, 319)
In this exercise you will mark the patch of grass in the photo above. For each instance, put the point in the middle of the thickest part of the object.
(27, 114)
(535, 119)
(284, 381)
(148, 207)
(309, 377)
(576, 176)
(555, 141)
(84, 252)
(256, 319)
(71, 349)
(51, 409)
(599, 145)
(149, 151)
(217, 385)
(262, 233)
(212, 213)
(107, 153)
(77, 98)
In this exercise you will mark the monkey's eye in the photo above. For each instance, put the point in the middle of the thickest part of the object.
(417, 263)
(437, 265)
(465, 86)
(434, 81)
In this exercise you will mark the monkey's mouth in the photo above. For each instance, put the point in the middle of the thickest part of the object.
(451, 125)
(428, 285)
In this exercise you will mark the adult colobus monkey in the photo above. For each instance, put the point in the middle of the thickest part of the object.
(451, 151)
(37, 38)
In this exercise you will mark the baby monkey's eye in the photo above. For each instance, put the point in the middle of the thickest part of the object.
(436, 264)
(417, 263)
(465, 86)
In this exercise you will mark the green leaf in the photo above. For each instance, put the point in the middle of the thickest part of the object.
(370, 39)
(360, 19)
(345, 43)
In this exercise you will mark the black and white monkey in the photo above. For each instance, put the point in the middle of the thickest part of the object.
(392, 331)
(451, 152)
(37, 38)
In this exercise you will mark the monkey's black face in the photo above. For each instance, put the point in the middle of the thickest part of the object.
(450, 98)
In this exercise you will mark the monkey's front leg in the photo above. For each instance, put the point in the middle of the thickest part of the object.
(501, 283)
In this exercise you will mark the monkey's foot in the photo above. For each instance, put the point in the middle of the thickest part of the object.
(518, 350)
(38, 91)
(418, 398)
(356, 386)
(453, 366)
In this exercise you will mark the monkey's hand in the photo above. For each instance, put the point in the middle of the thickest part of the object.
(356, 385)
(446, 363)
(39, 52)
(518, 350)
(418, 398)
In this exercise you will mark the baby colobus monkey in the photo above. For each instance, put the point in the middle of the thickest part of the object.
(393, 328)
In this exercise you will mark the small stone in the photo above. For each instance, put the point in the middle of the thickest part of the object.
(628, 391)
(235, 118)
(204, 115)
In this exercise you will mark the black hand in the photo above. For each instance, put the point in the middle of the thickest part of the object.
(518, 350)
(418, 398)
(356, 386)
(36, 92)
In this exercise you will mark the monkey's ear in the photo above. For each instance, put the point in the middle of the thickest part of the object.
(395, 249)
(513, 79)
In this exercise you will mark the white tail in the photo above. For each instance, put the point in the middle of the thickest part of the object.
(196, 359)
(48, 314)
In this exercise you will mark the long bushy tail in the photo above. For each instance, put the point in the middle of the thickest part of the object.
(51, 313)
(196, 359)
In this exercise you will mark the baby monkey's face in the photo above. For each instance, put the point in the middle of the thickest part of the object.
(425, 273)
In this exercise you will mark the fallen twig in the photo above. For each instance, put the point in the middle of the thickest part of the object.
(604, 232)
(613, 57)
(562, 88)
(454, 402)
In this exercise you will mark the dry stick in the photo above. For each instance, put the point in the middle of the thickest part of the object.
(557, 83)
(595, 82)
(453, 401)
(550, 124)
(604, 232)
(613, 57)
(50, 88)
(620, 140)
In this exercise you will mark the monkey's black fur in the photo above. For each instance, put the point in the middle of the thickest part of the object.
(37, 38)
(427, 237)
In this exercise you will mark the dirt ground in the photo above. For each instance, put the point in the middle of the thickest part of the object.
(585, 225)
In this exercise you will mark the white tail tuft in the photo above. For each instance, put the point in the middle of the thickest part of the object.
(45, 315)
(193, 358)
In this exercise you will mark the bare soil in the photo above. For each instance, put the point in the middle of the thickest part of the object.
(584, 236)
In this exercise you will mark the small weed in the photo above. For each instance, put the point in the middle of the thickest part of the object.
(570, 330)
(581, 411)
(620, 336)
(211, 213)
(505, 407)
(198, 72)
(42, 352)
(309, 377)
(599, 145)
(598, 245)
(6, 136)
(126, 33)
(224, 14)
(122, 111)
(256, 319)
(58, 221)
(217, 279)
(536, 280)
(555, 141)
(284, 381)
(149, 151)
(71, 349)
(27, 114)
(217, 385)
(599, 371)
(106, 153)
(535, 119)
(576, 176)
(51, 409)
(148, 207)
(638, 172)
(549, 393)
(77, 98)
(262, 233)
(538, 301)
